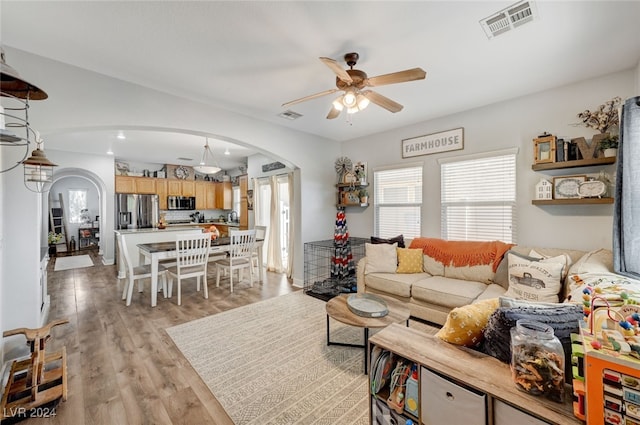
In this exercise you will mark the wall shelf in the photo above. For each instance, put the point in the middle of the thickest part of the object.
(575, 201)
(573, 164)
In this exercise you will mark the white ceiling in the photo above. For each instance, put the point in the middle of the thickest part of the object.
(250, 57)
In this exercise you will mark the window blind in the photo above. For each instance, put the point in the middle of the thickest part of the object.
(478, 199)
(397, 200)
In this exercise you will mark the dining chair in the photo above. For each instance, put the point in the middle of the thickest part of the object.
(138, 273)
(192, 255)
(261, 232)
(240, 251)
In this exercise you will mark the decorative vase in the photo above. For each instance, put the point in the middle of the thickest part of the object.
(364, 199)
(608, 153)
(52, 250)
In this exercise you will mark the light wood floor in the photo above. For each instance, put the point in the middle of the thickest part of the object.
(123, 368)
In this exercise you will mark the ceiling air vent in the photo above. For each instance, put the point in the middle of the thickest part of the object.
(289, 115)
(510, 18)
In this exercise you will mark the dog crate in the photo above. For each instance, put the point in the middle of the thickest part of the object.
(321, 277)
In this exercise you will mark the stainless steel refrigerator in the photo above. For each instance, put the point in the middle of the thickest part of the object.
(136, 211)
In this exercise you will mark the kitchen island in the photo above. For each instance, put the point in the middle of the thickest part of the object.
(133, 237)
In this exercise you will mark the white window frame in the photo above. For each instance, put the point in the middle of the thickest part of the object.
(407, 228)
(499, 188)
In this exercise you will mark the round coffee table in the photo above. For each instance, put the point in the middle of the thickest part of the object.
(338, 309)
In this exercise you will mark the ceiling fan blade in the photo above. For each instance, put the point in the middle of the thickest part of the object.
(333, 113)
(313, 96)
(383, 101)
(337, 69)
(397, 77)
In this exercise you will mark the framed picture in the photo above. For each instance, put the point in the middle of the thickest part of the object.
(250, 199)
(566, 187)
(544, 149)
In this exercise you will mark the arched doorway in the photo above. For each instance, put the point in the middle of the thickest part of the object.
(80, 179)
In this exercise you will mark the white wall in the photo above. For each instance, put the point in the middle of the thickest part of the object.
(513, 123)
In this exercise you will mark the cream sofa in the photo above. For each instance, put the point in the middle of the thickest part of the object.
(431, 298)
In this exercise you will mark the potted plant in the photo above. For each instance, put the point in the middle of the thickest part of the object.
(364, 195)
(609, 145)
(53, 239)
(359, 171)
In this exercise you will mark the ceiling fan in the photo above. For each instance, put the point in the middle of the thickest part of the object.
(354, 83)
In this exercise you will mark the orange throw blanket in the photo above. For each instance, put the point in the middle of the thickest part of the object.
(462, 253)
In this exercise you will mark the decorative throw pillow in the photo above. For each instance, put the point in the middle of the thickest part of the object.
(398, 239)
(564, 319)
(597, 261)
(464, 325)
(567, 261)
(409, 260)
(535, 280)
(381, 258)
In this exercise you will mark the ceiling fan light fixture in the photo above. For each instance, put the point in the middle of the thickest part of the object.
(362, 100)
(349, 99)
(338, 103)
(208, 164)
(353, 110)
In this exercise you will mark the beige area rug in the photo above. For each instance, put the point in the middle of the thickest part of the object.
(73, 262)
(269, 363)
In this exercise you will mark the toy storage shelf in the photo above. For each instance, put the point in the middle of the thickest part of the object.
(489, 381)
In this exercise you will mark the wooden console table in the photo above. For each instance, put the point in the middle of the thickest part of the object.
(470, 370)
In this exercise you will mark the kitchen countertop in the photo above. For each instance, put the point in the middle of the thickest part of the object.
(215, 223)
(169, 228)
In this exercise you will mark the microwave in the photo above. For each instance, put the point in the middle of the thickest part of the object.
(181, 202)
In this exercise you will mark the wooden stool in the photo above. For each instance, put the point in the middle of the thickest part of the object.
(36, 381)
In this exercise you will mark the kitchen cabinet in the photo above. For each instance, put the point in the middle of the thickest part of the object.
(224, 196)
(125, 184)
(188, 188)
(580, 163)
(129, 184)
(459, 385)
(201, 195)
(161, 190)
(243, 182)
(211, 196)
(145, 185)
(174, 187)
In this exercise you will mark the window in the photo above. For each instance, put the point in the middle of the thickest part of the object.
(236, 201)
(478, 197)
(397, 201)
(77, 203)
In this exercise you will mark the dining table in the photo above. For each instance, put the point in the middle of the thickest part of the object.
(153, 252)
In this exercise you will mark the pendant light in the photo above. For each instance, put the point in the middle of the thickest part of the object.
(208, 164)
(38, 170)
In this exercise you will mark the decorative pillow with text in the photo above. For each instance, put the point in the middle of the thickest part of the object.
(535, 280)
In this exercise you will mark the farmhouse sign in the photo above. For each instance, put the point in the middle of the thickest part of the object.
(444, 141)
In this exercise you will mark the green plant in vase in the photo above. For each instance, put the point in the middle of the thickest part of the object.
(609, 145)
(364, 195)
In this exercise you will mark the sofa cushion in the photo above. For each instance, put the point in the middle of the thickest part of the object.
(464, 325)
(409, 260)
(492, 291)
(467, 260)
(432, 266)
(597, 261)
(398, 239)
(394, 283)
(447, 292)
(535, 280)
(381, 258)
